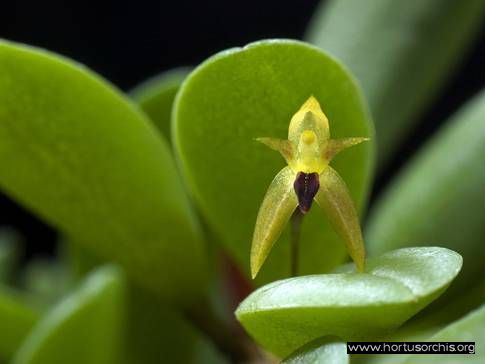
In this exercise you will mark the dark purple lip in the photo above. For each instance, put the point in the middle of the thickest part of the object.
(306, 187)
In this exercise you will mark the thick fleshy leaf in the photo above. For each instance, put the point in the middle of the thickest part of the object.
(245, 93)
(469, 328)
(106, 321)
(86, 327)
(154, 329)
(16, 321)
(440, 197)
(334, 197)
(156, 97)
(428, 323)
(402, 52)
(440, 314)
(287, 314)
(320, 351)
(278, 205)
(76, 152)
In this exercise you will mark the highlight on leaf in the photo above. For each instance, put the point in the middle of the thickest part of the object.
(308, 176)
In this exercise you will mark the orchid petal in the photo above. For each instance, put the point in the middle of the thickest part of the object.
(334, 198)
(335, 146)
(280, 145)
(278, 205)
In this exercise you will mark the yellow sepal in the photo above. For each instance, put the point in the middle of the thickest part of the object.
(279, 203)
(334, 198)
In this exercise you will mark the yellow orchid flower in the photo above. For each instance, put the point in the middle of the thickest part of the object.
(308, 176)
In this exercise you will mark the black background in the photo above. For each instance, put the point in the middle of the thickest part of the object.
(127, 42)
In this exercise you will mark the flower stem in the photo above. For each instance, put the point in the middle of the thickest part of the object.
(296, 219)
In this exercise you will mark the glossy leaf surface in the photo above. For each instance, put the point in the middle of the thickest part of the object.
(440, 197)
(287, 314)
(320, 351)
(245, 93)
(402, 52)
(75, 151)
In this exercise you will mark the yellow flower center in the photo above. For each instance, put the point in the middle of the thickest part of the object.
(308, 158)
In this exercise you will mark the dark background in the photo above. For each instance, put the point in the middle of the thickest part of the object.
(127, 42)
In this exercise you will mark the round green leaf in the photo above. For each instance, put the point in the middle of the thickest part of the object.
(250, 92)
(77, 152)
(320, 351)
(440, 197)
(285, 315)
(156, 95)
(86, 327)
(402, 52)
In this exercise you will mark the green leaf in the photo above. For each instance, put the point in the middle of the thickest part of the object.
(402, 52)
(244, 93)
(320, 351)
(128, 323)
(287, 314)
(156, 96)
(422, 328)
(78, 259)
(440, 197)
(442, 313)
(86, 327)
(154, 329)
(77, 152)
(469, 328)
(9, 253)
(16, 321)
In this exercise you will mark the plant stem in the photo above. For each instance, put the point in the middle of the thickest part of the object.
(296, 219)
